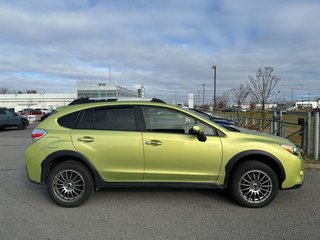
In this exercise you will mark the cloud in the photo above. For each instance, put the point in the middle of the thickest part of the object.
(168, 46)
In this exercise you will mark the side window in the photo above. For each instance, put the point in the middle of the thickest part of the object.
(2, 111)
(122, 119)
(69, 120)
(9, 113)
(159, 119)
(209, 131)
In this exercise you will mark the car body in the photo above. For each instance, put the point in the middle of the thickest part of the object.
(43, 110)
(27, 112)
(114, 143)
(44, 116)
(10, 119)
(215, 119)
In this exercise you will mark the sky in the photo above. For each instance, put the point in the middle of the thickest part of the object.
(169, 46)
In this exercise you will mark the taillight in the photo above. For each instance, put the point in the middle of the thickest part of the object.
(38, 133)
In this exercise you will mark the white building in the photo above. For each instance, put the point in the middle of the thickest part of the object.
(308, 104)
(44, 100)
(96, 89)
(54, 100)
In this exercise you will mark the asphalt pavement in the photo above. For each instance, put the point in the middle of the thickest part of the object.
(26, 212)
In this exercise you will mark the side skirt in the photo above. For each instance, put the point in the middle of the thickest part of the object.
(159, 185)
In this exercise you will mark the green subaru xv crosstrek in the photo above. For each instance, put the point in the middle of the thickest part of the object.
(93, 143)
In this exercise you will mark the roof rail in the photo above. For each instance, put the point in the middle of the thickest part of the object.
(115, 99)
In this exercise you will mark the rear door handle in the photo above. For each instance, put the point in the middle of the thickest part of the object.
(153, 143)
(86, 139)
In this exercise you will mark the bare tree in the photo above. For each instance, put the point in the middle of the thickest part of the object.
(223, 100)
(263, 88)
(239, 95)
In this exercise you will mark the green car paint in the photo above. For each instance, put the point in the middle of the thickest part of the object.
(121, 156)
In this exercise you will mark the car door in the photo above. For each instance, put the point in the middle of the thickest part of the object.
(11, 118)
(2, 117)
(172, 154)
(108, 137)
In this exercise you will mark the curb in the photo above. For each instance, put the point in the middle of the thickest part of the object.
(312, 166)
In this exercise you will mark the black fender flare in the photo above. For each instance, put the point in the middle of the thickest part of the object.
(66, 155)
(246, 155)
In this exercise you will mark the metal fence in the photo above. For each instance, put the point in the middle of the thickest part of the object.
(304, 132)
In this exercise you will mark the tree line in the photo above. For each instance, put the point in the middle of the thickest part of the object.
(8, 91)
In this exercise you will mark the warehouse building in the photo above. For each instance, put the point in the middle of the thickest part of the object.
(91, 89)
(36, 100)
(94, 89)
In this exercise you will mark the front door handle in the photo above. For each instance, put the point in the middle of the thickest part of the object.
(86, 139)
(154, 143)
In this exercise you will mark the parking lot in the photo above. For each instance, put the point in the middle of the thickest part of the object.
(26, 212)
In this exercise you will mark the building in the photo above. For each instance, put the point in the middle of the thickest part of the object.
(310, 104)
(36, 100)
(50, 101)
(94, 89)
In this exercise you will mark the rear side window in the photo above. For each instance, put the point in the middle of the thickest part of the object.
(121, 119)
(68, 120)
(86, 120)
(115, 119)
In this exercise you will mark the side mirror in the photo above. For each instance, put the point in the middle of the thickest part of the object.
(199, 132)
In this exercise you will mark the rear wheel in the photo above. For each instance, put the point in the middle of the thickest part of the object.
(70, 184)
(254, 184)
(22, 125)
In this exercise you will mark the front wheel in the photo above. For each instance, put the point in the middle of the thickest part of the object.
(254, 184)
(70, 184)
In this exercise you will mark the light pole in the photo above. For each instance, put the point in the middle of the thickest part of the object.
(291, 99)
(198, 98)
(214, 87)
(203, 86)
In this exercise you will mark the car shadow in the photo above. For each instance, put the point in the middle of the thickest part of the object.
(220, 196)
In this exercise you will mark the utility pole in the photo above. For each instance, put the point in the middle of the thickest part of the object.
(196, 101)
(203, 86)
(109, 74)
(291, 99)
(214, 87)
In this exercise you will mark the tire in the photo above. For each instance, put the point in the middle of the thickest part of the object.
(70, 184)
(253, 184)
(22, 125)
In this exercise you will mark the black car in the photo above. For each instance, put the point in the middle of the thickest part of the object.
(215, 119)
(44, 116)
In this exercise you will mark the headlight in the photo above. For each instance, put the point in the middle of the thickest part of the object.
(290, 148)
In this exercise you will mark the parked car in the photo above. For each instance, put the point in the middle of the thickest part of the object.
(145, 142)
(43, 110)
(44, 116)
(215, 119)
(30, 111)
(11, 119)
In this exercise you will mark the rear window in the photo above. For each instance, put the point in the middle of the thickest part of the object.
(68, 120)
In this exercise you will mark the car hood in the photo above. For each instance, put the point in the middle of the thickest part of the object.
(257, 134)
